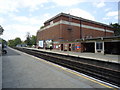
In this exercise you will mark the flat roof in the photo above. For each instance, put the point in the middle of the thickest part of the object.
(78, 18)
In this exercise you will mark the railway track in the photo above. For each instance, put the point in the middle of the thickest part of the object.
(97, 71)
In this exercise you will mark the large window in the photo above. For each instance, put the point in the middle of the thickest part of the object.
(99, 45)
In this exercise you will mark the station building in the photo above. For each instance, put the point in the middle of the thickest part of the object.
(72, 33)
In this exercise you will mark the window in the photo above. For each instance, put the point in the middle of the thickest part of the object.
(99, 46)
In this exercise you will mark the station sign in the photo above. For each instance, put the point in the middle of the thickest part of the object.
(78, 47)
(41, 43)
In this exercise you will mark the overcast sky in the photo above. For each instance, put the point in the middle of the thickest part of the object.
(18, 17)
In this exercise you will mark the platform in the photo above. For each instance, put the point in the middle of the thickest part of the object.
(96, 56)
(21, 70)
(0, 71)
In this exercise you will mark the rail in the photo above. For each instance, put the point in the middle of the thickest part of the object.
(92, 69)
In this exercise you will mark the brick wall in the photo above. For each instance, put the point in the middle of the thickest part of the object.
(61, 30)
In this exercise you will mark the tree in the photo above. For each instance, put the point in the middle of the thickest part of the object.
(17, 41)
(28, 41)
(42, 27)
(4, 41)
(33, 40)
(14, 42)
(11, 43)
(116, 27)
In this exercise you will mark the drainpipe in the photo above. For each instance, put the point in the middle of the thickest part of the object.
(80, 29)
(81, 37)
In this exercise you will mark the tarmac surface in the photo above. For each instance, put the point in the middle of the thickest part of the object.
(20, 70)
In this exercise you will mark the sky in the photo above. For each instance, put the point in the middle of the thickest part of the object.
(17, 17)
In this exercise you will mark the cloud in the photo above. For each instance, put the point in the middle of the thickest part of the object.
(23, 19)
(18, 31)
(7, 5)
(47, 16)
(112, 13)
(99, 4)
(103, 0)
(50, 7)
(23, 24)
(116, 17)
(2, 20)
(107, 9)
(67, 2)
(30, 20)
(81, 13)
(106, 18)
(14, 5)
(27, 20)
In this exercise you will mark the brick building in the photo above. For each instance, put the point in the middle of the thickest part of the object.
(64, 28)
(68, 27)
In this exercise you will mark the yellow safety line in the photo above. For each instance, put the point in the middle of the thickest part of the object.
(71, 71)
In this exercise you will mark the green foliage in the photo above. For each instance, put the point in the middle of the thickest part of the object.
(17, 41)
(42, 27)
(11, 43)
(30, 40)
(116, 27)
(14, 42)
(3, 41)
(33, 40)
